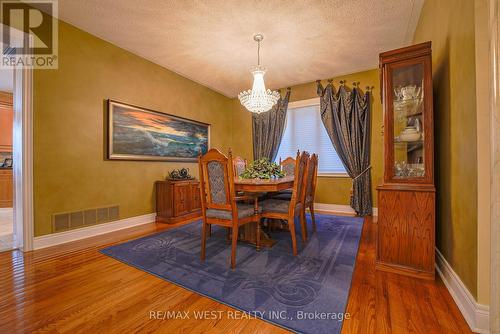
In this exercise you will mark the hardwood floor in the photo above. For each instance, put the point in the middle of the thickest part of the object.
(73, 288)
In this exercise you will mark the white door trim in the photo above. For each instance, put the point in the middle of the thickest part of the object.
(23, 157)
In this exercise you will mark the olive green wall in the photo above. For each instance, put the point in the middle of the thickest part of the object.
(70, 171)
(450, 26)
(330, 190)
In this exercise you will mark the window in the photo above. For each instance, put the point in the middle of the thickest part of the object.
(304, 131)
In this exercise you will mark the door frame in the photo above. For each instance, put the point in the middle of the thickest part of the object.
(494, 46)
(23, 158)
(22, 154)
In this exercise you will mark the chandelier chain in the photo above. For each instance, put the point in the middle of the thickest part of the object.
(258, 53)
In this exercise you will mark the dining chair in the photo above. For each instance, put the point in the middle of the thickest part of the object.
(239, 166)
(220, 206)
(288, 165)
(310, 190)
(288, 210)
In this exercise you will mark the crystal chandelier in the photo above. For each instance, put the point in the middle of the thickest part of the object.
(258, 99)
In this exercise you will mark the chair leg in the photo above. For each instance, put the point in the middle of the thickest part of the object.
(203, 239)
(258, 234)
(311, 209)
(303, 225)
(291, 226)
(234, 242)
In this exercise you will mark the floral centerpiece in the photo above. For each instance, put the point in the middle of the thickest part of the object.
(262, 169)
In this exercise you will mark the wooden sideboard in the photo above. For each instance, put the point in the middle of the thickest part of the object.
(6, 188)
(177, 201)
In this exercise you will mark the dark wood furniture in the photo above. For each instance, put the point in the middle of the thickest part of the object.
(288, 165)
(256, 187)
(6, 122)
(287, 210)
(177, 201)
(260, 186)
(239, 166)
(219, 203)
(406, 198)
(310, 190)
(6, 188)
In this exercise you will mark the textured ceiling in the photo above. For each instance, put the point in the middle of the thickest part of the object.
(211, 41)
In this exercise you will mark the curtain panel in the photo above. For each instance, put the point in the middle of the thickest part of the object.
(346, 117)
(268, 128)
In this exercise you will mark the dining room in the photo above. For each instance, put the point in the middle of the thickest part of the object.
(252, 167)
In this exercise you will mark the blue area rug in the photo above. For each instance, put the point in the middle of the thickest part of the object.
(306, 294)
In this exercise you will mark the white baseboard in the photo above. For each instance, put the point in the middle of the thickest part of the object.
(339, 209)
(91, 231)
(476, 315)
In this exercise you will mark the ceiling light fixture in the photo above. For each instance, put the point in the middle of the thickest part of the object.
(258, 99)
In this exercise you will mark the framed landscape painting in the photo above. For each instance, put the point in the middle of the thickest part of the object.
(136, 133)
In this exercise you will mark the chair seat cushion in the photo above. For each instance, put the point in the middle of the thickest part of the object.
(244, 210)
(275, 205)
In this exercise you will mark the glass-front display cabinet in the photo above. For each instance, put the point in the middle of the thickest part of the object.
(408, 117)
(406, 198)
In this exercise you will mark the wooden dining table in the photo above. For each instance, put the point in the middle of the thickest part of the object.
(257, 187)
(263, 185)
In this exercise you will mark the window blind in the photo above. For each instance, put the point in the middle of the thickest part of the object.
(304, 131)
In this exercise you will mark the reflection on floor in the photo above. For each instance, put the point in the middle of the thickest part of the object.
(6, 225)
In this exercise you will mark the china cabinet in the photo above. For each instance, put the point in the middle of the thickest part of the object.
(406, 198)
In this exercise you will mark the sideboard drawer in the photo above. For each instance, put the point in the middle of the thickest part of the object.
(195, 195)
(181, 204)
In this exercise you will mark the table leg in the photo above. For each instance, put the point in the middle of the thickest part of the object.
(249, 236)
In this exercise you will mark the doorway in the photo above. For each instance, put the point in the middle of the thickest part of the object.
(7, 230)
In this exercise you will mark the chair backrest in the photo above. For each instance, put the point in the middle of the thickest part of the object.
(298, 191)
(312, 174)
(239, 166)
(216, 181)
(288, 165)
